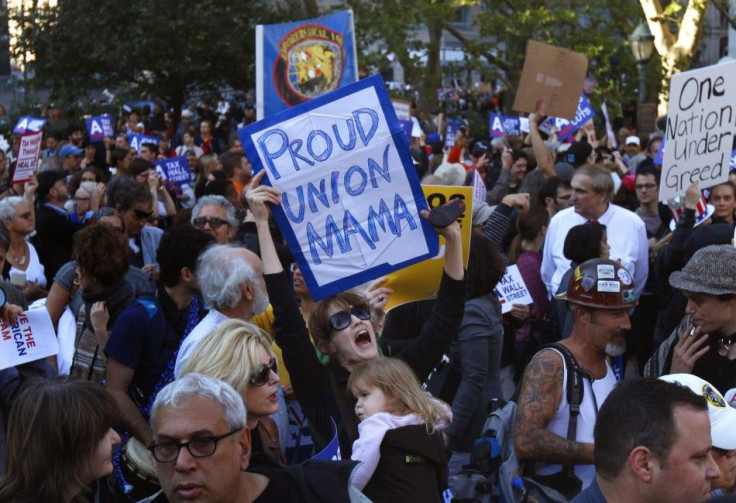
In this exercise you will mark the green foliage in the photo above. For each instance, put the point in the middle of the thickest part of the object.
(166, 48)
(386, 29)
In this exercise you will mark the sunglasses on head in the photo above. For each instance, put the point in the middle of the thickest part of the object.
(262, 375)
(214, 222)
(143, 215)
(342, 319)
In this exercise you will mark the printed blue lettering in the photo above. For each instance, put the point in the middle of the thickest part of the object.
(351, 136)
(334, 185)
(373, 167)
(351, 226)
(383, 218)
(366, 137)
(326, 244)
(297, 219)
(294, 147)
(401, 212)
(313, 192)
(270, 156)
(326, 153)
(348, 178)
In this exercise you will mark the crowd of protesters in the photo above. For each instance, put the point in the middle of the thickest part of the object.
(188, 338)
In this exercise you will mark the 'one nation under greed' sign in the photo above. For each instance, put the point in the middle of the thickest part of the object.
(350, 193)
(700, 129)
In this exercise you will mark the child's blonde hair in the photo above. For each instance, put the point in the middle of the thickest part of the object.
(402, 389)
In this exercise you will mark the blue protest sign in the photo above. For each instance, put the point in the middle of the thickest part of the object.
(28, 125)
(453, 127)
(298, 61)
(135, 140)
(501, 125)
(584, 113)
(350, 194)
(331, 452)
(174, 169)
(659, 157)
(407, 126)
(99, 127)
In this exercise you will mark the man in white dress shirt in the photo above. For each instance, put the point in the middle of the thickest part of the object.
(592, 190)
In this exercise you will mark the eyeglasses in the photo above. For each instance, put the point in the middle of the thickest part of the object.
(215, 223)
(647, 186)
(262, 376)
(293, 267)
(200, 447)
(143, 215)
(77, 199)
(342, 319)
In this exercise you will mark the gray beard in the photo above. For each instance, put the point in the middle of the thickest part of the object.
(260, 302)
(614, 350)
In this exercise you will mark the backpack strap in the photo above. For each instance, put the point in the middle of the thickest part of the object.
(575, 391)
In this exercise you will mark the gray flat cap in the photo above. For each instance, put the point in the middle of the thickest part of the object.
(712, 270)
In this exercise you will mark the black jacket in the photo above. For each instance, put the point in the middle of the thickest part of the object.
(321, 389)
(413, 467)
(54, 239)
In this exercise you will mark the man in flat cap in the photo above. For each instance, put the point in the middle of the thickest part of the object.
(704, 343)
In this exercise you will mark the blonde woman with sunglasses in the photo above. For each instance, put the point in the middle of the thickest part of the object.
(240, 354)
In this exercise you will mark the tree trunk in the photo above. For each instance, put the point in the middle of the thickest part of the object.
(433, 77)
(676, 51)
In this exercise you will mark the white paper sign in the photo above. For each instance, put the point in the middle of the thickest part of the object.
(30, 148)
(700, 129)
(350, 194)
(402, 109)
(512, 290)
(30, 339)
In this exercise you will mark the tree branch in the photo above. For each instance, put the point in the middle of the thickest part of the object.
(473, 48)
(722, 7)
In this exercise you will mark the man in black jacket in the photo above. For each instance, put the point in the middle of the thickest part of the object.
(54, 230)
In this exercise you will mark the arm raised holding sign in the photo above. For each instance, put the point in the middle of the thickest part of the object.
(342, 327)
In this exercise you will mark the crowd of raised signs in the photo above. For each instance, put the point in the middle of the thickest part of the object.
(193, 363)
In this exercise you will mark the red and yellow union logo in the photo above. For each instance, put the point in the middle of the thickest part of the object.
(309, 64)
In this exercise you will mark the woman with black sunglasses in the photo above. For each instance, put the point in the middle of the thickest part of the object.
(240, 354)
(342, 327)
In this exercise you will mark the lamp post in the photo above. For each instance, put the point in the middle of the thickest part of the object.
(642, 45)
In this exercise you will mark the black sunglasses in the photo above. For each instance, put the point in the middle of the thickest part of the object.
(342, 319)
(214, 222)
(262, 376)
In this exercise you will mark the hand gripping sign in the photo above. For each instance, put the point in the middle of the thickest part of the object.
(350, 194)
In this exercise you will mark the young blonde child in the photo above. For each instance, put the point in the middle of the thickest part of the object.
(400, 446)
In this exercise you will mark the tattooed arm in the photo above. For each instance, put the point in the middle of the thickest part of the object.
(540, 395)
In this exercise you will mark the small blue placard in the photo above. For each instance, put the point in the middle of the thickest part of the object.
(174, 169)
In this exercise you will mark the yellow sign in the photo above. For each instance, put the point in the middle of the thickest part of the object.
(422, 280)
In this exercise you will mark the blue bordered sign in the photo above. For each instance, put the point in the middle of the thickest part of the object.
(28, 125)
(350, 194)
(174, 169)
(99, 127)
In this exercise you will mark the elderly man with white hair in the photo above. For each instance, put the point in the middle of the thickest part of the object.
(232, 285)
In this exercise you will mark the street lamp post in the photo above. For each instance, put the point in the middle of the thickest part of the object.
(642, 45)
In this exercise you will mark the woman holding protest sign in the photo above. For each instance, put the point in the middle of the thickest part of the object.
(342, 327)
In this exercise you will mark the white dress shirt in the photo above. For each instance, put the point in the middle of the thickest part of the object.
(627, 236)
